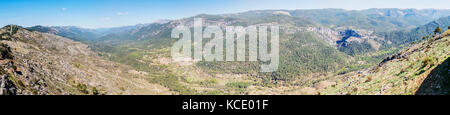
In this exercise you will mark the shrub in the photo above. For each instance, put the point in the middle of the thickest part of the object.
(82, 88)
(446, 33)
(95, 91)
(78, 65)
(368, 79)
(426, 61)
(438, 30)
(213, 81)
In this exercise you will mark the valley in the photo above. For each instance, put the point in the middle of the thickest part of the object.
(322, 52)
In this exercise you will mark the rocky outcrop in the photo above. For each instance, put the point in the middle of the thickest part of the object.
(346, 35)
(6, 86)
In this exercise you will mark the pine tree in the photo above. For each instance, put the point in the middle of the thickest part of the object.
(438, 30)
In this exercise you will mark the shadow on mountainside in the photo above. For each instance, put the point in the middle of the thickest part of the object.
(437, 82)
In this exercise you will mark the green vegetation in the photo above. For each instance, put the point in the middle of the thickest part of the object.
(354, 48)
(172, 82)
(238, 84)
(78, 65)
(438, 30)
(209, 82)
(82, 88)
(95, 91)
(427, 61)
(133, 54)
(301, 54)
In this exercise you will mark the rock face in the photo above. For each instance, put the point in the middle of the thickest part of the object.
(346, 35)
(33, 63)
(6, 86)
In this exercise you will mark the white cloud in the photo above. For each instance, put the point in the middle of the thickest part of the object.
(121, 13)
(63, 9)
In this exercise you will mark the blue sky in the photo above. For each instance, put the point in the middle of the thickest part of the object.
(114, 13)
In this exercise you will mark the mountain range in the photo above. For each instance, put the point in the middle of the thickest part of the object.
(318, 49)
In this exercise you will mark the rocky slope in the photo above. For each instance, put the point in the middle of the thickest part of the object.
(421, 69)
(39, 63)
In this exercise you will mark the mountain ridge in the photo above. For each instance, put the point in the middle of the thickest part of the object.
(318, 55)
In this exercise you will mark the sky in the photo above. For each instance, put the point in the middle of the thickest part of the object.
(116, 13)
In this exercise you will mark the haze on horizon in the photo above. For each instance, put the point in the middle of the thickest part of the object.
(115, 13)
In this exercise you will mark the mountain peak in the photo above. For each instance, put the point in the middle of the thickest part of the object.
(8, 31)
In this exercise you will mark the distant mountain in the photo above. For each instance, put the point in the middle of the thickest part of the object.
(72, 32)
(408, 36)
(115, 30)
(85, 35)
(377, 20)
(373, 19)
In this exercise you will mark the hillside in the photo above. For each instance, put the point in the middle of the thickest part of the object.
(421, 69)
(418, 33)
(319, 48)
(296, 34)
(45, 64)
